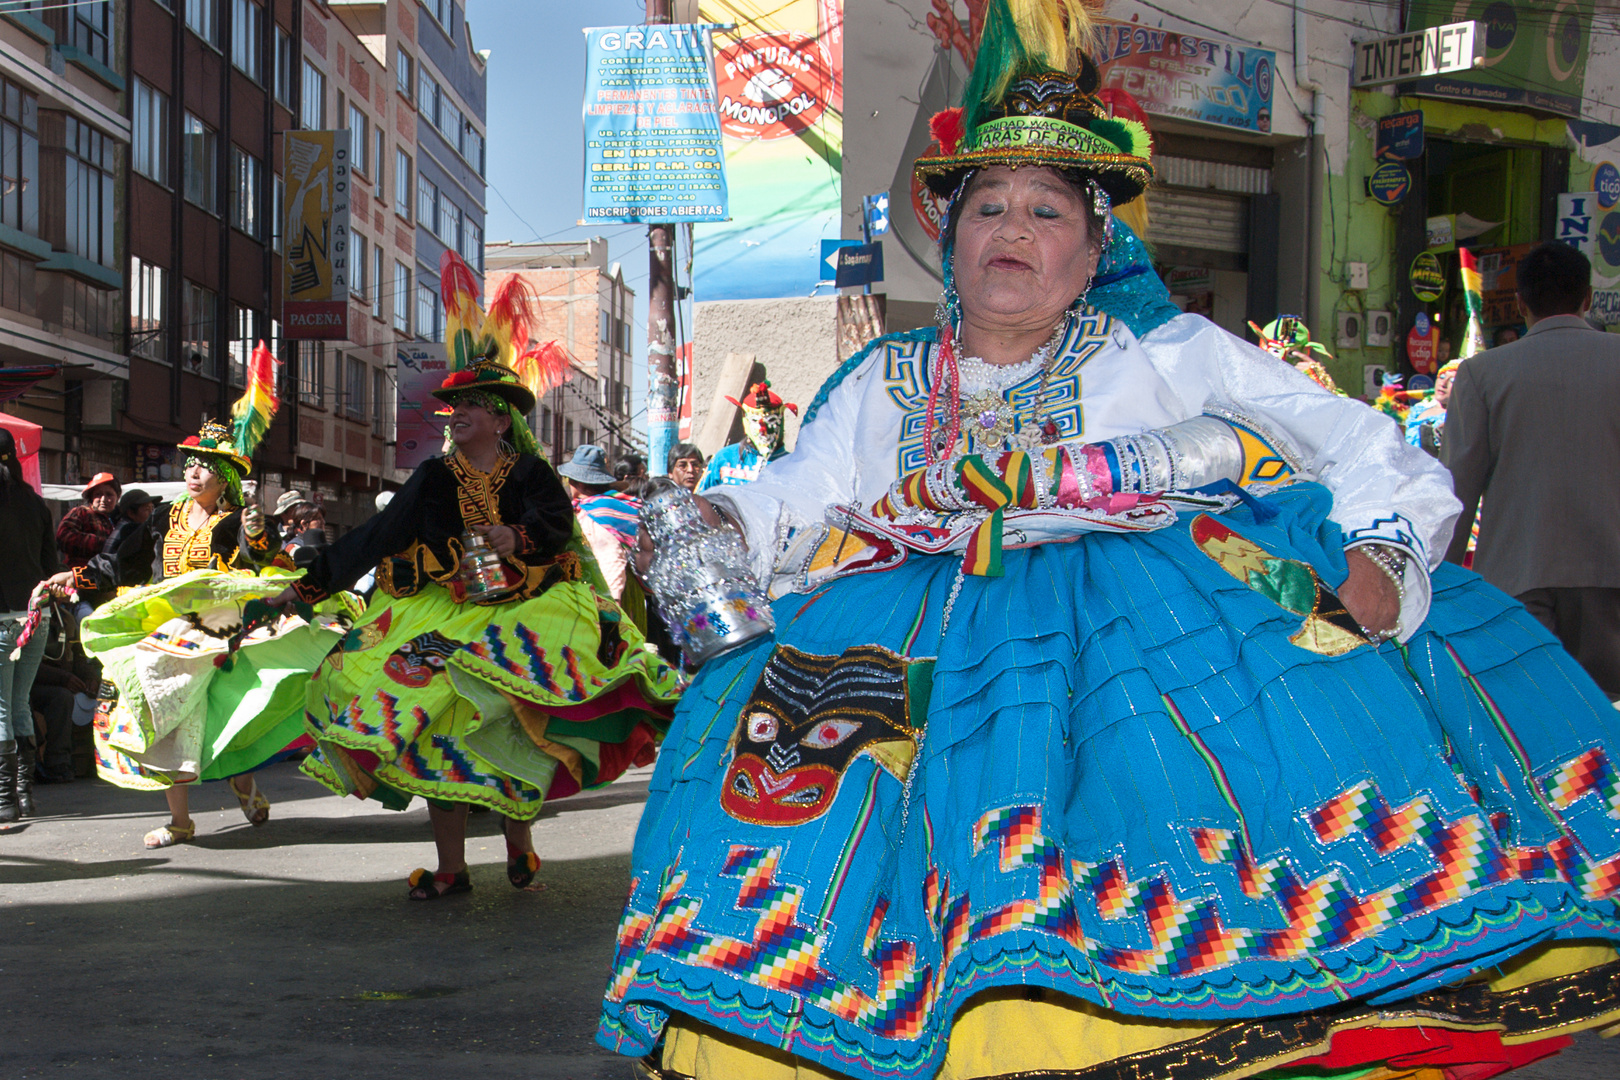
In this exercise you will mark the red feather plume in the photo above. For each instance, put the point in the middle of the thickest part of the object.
(545, 366)
(947, 127)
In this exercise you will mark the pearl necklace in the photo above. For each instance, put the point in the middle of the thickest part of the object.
(988, 416)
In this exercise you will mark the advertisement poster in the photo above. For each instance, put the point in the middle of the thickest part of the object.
(1188, 77)
(779, 87)
(419, 369)
(1535, 53)
(652, 138)
(316, 267)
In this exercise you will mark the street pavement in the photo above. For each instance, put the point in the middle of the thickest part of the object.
(290, 951)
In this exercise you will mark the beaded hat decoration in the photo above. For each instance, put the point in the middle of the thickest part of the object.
(487, 377)
(1032, 100)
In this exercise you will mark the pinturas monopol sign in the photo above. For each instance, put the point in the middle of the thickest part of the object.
(1439, 50)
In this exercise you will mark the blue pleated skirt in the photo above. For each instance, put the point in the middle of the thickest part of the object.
(1153, 772)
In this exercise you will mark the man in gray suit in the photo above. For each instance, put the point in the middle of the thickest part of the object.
(1534, 427)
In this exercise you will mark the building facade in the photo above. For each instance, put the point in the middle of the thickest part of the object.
(583, 304)
(64, 145)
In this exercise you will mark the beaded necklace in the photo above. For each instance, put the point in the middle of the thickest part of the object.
(988, 413)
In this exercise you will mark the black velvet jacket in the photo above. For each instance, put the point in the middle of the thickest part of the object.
(417, 539)
(221, 543)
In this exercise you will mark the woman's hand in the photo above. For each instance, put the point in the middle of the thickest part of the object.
(283, 600)
(253, 521)
(503, 538)
(1369, 595)
(59, 584)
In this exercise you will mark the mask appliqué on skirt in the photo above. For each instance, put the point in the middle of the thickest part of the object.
(415, 663)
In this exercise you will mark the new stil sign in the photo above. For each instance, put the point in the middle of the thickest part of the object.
(1439, 50)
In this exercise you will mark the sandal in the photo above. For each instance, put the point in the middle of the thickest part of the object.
(425, 886)
(255, 807)
(169, 835)
(521, 866)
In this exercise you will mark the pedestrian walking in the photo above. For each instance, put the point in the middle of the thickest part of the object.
(27, 557)
(1532, 429)
(493, 667)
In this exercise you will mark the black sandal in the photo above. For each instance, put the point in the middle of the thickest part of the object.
(424, 886)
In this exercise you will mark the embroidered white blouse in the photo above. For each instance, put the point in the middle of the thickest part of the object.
(1105, 383)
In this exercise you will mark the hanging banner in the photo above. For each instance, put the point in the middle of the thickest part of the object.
(1534, 57)
(652, 136)
(779, 87)
(419, 369)
(315, 282)
(1205, 79)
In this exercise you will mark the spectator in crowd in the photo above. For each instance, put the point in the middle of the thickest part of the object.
(27, 557)
(289, 508)
(1532, 428)
(1505, 335)
(59, 687)
(630, 475)
(132, 538)
(85, 528)
(608, 519)
(686, 465)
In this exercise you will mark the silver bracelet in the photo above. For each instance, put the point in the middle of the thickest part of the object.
(1392, 561)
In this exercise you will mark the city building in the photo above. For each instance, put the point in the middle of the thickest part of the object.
(583, 304)
(64, 140)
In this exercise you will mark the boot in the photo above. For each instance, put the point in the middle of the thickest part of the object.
(9, 811)
(24, 769)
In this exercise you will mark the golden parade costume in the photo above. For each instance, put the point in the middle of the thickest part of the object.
(209, 682)
(458, 689)
(1065, 758)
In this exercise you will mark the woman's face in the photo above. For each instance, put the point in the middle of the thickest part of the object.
(202, 485)
(475, 426)
(1023, 248)
(1442, 387)
(686, 472)
(103, 499)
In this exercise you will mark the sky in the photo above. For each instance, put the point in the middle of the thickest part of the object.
(536, 136)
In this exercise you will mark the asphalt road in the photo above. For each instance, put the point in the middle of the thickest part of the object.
(289, 951)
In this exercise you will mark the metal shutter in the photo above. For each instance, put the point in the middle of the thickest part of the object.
(1211, 220)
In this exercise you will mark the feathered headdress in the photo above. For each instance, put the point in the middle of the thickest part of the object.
(475, 336)
(250, 417)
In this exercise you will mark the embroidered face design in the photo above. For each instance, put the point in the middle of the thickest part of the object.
(763, 428)
(419, 659)
(809, 717)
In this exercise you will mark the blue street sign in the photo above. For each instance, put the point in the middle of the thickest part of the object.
(877, 213)
(829, 257)
(859, 264)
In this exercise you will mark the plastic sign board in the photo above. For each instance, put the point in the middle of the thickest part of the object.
(315, 270)
(1577, 220)
(1439, 50)
(1420, 349)
(419, 369)
(829, 257)
(653, 151)
(1606, 182)
(1389, 183)
(1400, 135)
(859, 264)
(1187, 77)
(1427, 277)
(1535, 53)
(876, 209)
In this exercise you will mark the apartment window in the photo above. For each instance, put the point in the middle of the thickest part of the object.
(247, 34)
(606, 334)
(427, 203)
(357, 277)
(246, 183)
(472, 244)
(380, 155)
(449, 223)
(203, 18)
(92, 26)
(314, 105)
(199, 309)
(245, 334)
(568, 436)
(90, 168)
(359, 140)
(19, 158)
(453, 124)
(148, 304)
(427, 313)
(473, 150)
(402, 184)
(90, 310)
(403, 69)
(376, 281)
(354, 387)
(402, 298)
(16, 283)
(150, 147)
(201, 152)
(312, 372)
(427, 97)
(283, 74)
(587, 435)
(278, 215)
(441, 11)
(379, 400)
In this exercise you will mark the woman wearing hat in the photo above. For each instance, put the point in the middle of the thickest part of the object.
(1120, 718)
(84, 530)
(179, 706)
(493, 667)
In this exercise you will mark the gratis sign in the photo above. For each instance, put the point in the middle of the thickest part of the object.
(1439, 50)
(652, 131)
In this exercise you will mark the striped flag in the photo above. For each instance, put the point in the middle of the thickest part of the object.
(1473, 297)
